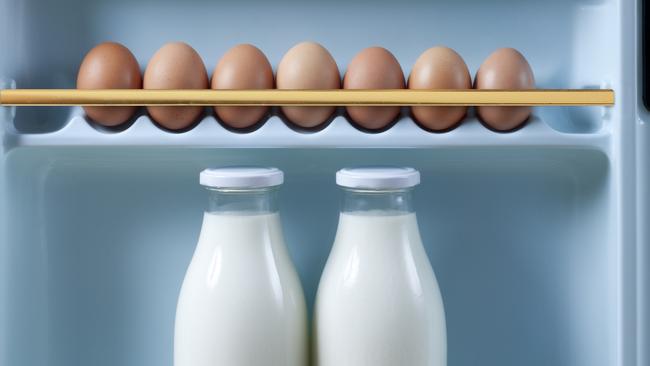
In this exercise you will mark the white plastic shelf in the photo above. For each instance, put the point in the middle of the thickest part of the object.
(275, 133)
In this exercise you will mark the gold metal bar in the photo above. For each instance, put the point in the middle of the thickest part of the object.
(276, 97)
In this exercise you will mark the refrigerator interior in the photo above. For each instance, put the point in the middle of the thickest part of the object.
(534, 235)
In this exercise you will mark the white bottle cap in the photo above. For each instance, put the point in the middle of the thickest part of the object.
(241, 177)
(378, 177)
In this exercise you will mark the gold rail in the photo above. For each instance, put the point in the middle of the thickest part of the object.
(276, 97)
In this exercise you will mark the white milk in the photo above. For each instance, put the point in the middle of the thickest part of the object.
(241, 303)
(378, 302)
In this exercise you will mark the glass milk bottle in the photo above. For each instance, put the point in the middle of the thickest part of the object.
(378, 302)
(241, 302)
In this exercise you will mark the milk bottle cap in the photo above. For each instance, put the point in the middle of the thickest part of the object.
(241, 177)
(379, 178)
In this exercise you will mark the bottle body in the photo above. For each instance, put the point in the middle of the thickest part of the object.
(241, 302)
(378, 302)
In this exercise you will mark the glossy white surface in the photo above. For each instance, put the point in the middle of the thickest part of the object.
(241, 177)
(378, 302)
(241, 302)
(378, 177)
(338, 134)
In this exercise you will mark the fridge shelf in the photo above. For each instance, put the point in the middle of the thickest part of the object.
(276, 133)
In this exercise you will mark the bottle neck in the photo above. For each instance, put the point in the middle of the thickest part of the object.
(393, 202)
(243, 201)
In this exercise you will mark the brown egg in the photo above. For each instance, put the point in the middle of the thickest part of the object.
(109, 66)
(175, 66)
(505, 68)
(439, 68)
(308, 65)
(242, 67)
(373, 68)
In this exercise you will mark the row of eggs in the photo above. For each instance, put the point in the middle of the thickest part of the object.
(307, 65)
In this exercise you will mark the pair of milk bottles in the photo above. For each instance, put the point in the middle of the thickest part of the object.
(378, 301)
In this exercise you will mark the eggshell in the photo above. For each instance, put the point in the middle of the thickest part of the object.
(109, 65)
(175, 66)
(242, 67)
(505, 68)
(373, 68)
(308, 65)
(439, 68)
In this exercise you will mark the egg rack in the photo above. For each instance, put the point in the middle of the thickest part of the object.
(276, 132)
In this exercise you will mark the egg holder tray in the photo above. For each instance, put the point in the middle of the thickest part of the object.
(274, 132)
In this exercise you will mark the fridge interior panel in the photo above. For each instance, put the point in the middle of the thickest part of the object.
(569, 44)
(642, 168)
(643, 248)
(538, 237)
(98, 242)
